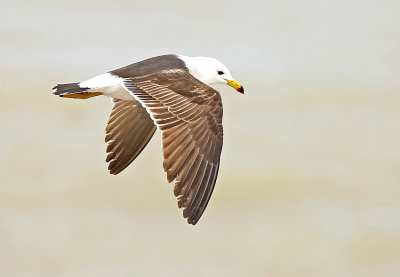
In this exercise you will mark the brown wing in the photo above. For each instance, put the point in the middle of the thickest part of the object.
(128, 131)
(189, 115)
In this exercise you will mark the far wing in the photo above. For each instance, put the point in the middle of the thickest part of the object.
(128, 131)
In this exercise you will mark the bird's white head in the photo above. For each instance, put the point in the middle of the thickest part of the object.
(211, 71)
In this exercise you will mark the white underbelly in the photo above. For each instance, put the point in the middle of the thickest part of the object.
(109, 85)
(117, 91)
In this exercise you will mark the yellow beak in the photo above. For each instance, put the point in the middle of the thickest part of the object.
(236, 85)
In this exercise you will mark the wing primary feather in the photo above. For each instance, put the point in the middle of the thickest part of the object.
(188, 196)
(171, 157)
(188, 177)
(206, 198)
(191, 196)
(205, 185)
(201, 188)
(199, 184)
(180, 170)
(186, 157)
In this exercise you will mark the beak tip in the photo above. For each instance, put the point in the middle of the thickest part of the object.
(236, 85)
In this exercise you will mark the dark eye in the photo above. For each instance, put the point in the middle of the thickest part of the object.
(220, 72)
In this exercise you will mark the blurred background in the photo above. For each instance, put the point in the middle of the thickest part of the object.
(309, 183)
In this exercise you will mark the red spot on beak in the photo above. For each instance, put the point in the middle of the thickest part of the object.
(241, 90)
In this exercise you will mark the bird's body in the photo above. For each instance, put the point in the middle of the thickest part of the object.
(170, 93)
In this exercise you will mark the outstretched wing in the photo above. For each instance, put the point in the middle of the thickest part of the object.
(189, 115)
(128, 131)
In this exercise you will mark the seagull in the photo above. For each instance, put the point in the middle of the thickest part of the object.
(170, 93)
